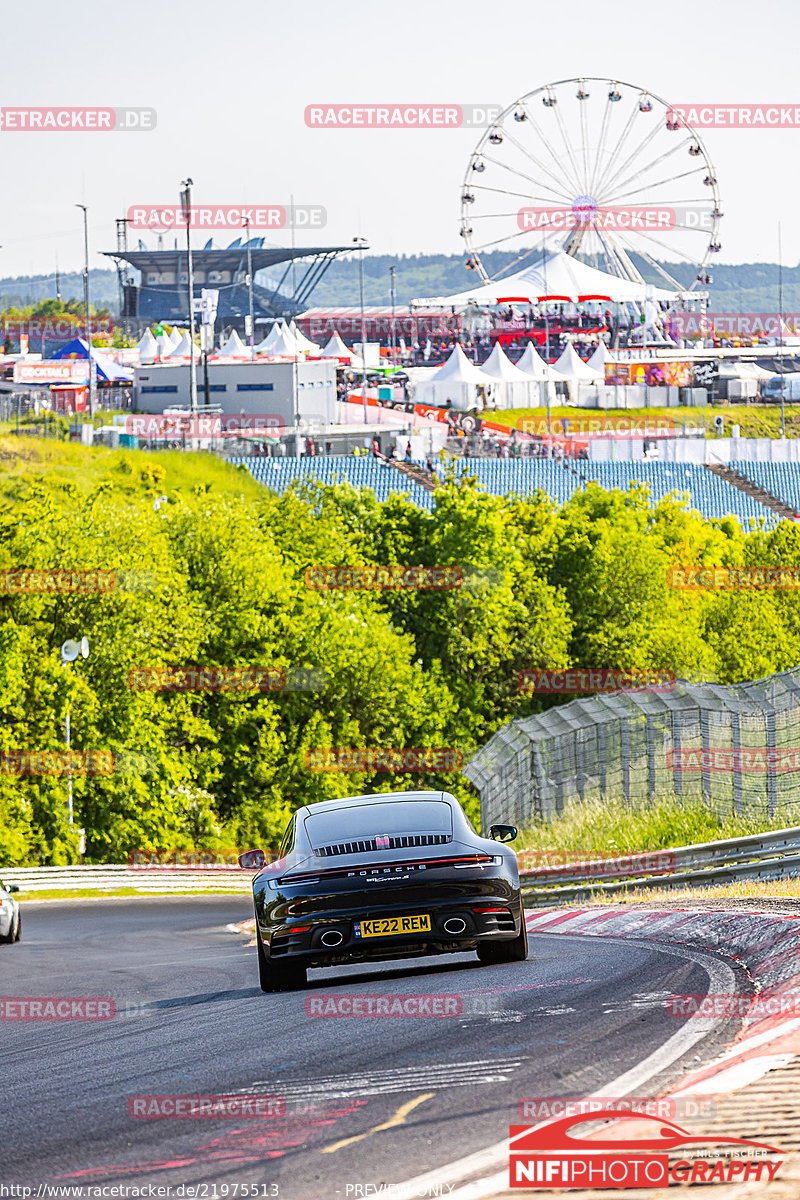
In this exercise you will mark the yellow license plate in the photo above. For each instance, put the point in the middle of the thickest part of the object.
(386, 926)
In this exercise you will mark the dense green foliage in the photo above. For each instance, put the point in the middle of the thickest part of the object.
(218, 581)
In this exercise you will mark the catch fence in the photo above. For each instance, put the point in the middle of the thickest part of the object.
(736, 748)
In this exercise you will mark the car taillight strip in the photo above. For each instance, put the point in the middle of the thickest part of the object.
(383, 867)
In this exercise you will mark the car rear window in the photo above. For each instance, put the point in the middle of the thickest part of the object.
(370, 820)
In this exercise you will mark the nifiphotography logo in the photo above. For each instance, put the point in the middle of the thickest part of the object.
(552, 1156)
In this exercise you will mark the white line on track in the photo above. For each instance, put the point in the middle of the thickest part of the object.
(721, 981)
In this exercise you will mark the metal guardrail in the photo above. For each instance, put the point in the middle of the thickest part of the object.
(106, 878)
(761, 856)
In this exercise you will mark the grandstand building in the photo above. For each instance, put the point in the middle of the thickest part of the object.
(161, 292)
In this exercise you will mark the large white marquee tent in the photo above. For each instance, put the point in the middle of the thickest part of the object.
(559, 277)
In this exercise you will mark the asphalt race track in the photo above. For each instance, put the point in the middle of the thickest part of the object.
(191, 1020)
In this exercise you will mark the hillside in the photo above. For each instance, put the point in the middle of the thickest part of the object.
(737, 287)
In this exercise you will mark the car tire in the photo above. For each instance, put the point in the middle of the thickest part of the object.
(6, 938)
(505, 952)
(18, 930)
(280, 977)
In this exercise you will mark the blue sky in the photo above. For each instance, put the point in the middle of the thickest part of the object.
(231, 83)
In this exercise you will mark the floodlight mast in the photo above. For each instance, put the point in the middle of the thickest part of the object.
(69, 652)
(186, 205)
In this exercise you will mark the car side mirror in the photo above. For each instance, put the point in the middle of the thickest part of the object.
(12, 887)
(253, 860)
(503, 833)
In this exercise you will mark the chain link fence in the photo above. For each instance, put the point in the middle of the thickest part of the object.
(736, 748)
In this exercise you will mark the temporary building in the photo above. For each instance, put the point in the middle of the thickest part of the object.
(570, 366)
(177, 335)
(234, 347)
(459, 382)
(335, 349)
(107, 370)
(284, 344)
(558, 276)
(164, 344)
(599, 359)
(303, 343)
(146, 347)
(183, 347)
(515, 389)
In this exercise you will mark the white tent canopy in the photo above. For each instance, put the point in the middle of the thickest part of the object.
(183, 347)
(284, 344)
(177, 335)
(570, 366)
(559, 277)
(599, 359)
(516, 389)
(335, 348)
(303, 343)
(164, 344)
(457, 382)
(234, 347)
(147, 347)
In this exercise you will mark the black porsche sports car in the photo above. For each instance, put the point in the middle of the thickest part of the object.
(369, 878)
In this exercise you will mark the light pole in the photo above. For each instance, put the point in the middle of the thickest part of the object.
(391, 285)
(361, 242)
(186, 205)
(250, 288)
(69, 652)
(780, 319)
(86, 304)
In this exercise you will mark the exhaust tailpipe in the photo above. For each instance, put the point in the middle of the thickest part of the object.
(455, 925)
(332, 938)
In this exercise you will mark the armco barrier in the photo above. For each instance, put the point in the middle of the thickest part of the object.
(106, 878)
(763, 856)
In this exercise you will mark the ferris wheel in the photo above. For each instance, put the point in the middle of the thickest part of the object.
(602, 170)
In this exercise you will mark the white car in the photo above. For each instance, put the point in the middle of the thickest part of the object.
(10, 917)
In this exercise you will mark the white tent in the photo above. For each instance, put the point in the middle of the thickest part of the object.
(164, 344)
(147, 347)
(284, 344)
(560, 277)
(533, 364)
(515, 390)
(456, 381)
(599, 359)
(183, 347)
(234, 347)
(303, 343)
(177, 335)
(570, 366)
(335, 348)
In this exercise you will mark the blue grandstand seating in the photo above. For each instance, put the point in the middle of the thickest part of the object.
(781, 479)
(706, 492)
